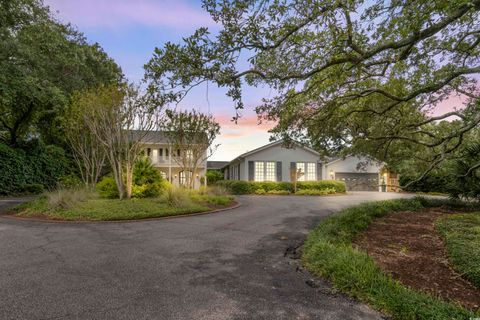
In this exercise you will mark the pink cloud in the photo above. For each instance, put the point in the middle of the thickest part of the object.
(115, 13)
(245, 126)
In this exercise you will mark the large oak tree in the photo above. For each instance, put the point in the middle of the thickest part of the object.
(349, 76)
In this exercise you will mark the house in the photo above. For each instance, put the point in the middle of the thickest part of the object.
(216, 165)
(275, 162)
(168, 160)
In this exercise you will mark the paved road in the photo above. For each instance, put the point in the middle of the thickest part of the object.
(228, 265)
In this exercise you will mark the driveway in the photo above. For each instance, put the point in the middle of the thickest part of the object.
(237, 264)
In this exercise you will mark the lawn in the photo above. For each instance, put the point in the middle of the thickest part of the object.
(81, 205)
(328, 252)
(461, 233)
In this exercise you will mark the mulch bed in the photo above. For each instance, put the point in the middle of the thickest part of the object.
(407, 246)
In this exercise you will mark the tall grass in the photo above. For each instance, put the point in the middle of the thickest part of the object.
(68, 198)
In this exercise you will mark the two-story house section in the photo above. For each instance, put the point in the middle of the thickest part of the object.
(167, 160)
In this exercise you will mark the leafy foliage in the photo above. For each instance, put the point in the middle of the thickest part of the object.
(213, 176)
(362, 77)
(250, 187)
(42, 62)
(466, 180)
(32, 168)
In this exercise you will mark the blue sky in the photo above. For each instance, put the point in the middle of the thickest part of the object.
(129, 30)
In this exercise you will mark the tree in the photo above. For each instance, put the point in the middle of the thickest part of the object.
(42, 62)
(348, 76)
(193, 134)
(296, 174)
(89, 155)
(120, 119)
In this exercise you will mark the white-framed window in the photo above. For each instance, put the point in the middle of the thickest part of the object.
(163, 174)
(259, 171)
(265, 171)
(309, 170)
(270, 174)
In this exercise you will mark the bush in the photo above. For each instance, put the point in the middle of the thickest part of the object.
(31, 164)
(315, 192)
(260, 191)
(176, 197)
(250, 187)
(279, 192)
(107, 188)
(34, 188)
(213, 176)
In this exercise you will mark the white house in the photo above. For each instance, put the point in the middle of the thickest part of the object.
(274, 162)
(166, 159)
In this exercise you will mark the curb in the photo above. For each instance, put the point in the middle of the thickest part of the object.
(25, 219)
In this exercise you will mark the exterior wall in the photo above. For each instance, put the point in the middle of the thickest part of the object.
(349, 164)
(278, 153)
(169, 165)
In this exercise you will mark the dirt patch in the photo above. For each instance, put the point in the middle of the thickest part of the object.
(407, 246)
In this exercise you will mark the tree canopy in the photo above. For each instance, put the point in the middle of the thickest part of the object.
(42, 62)
(349, 76)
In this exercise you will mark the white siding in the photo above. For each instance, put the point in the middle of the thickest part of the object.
(350, 164)
(278, 153)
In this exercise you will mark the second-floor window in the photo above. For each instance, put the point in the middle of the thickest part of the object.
(160, 152)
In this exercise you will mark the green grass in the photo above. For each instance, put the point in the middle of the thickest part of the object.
(328, 252)
(461, 233)
(83, 205)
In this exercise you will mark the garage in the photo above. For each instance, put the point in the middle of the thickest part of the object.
(358, 181)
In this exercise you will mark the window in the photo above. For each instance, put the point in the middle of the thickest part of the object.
(265, 171)
(301, 168)
(166, 152)
(270, 171)
(309, 170)
(184, 175)
(259, 171)
(160, 152)
(163, 174)
(149, 151)
(189, 154)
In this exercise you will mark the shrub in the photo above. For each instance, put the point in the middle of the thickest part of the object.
(250, 187)
(31, 164)
(279, 192)
(34, 188)
(260, 191)
(315, 192)
(107, 188)
(213, 176)
(71, 181)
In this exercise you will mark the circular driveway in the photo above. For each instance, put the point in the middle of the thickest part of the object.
(237, 264)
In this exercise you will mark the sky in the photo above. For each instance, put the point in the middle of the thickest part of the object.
(129, 31)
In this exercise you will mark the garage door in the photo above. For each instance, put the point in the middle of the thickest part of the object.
(358, 181)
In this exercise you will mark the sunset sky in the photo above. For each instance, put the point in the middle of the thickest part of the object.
(129, 30)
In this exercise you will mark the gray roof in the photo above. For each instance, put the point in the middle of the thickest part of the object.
(216, 165)
(150, 136)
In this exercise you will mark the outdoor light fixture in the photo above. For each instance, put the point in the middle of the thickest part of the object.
(331, 174)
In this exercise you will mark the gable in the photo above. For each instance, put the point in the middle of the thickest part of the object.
(277, 152)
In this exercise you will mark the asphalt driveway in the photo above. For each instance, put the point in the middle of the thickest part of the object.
(237, 264)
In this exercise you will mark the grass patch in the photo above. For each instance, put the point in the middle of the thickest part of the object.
(461, 233)
(328, 252)
(84, 205)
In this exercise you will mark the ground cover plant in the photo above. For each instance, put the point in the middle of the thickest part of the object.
(328, 252)
(269, 187)
(85, 204)
(461, 233)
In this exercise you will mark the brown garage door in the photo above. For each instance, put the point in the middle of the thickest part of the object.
(358, 181)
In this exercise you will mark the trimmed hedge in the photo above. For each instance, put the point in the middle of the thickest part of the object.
(253, 187)
(31, 168)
